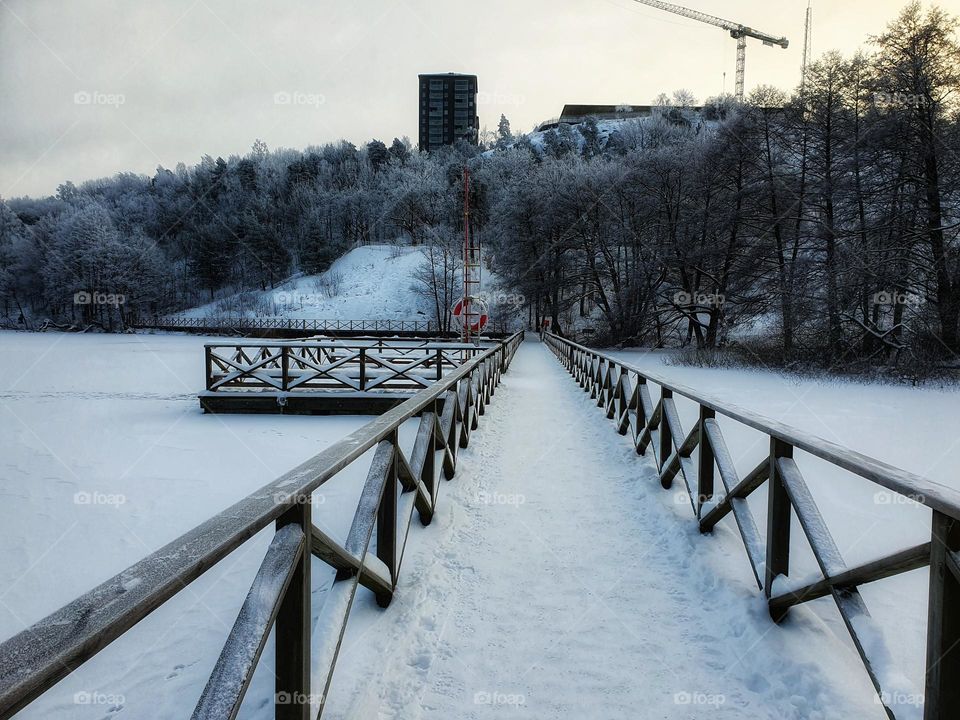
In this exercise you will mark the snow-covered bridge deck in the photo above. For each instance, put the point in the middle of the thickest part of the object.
(558, 580)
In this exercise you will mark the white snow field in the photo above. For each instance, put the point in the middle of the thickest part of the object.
(105, 456)
(556, 580)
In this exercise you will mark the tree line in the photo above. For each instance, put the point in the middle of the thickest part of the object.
(822, 226)
(819, 226)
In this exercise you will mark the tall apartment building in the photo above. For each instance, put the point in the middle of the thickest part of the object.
(448, 109)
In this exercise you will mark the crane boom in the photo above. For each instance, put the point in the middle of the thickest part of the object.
(738, 31)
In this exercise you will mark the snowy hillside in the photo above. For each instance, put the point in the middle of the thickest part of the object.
(370, 282)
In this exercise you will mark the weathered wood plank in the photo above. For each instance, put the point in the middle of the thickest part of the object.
(231, 675)
(852, 608)
(735, 498)
(941, 690)
(899, 562)
(374, 575)
(778, 520)
(292, 633)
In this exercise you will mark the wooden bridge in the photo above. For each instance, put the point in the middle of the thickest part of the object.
(537, 409)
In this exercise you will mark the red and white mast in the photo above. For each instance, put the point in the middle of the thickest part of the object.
(472, 306)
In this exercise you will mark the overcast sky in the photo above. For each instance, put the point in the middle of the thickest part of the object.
(89, 88)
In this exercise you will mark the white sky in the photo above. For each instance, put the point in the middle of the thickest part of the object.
(201, 76)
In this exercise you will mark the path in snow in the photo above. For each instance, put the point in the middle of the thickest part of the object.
(558, 580)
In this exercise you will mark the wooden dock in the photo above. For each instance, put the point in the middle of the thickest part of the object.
(325, 377)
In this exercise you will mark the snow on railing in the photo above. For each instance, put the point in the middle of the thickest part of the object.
(623, 391)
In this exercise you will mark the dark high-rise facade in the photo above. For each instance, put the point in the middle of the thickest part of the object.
(448, 109)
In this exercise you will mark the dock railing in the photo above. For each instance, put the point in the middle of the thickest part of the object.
(396, 484)
(312, 365)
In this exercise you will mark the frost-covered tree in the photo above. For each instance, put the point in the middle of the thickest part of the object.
(504, 135)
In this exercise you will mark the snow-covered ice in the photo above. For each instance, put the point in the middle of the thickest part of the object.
(105, 456)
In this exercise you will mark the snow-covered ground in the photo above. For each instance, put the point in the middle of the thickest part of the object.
(556, 576)
(370, 282)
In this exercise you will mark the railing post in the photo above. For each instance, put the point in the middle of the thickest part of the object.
(284, 367)
(208, 360)
(942, 692)
(778, 520)
(363, 369)
(387, 522)
(705, 463)
(666, 437)
(292, 669)
(439, 364)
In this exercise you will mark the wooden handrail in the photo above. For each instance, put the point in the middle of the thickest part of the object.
(657, 427)
(35, 659)
(920, 489)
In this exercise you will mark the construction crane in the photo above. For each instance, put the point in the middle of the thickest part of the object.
(807, 48)
(736, 30)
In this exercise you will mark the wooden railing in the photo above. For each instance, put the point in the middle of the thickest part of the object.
(332, 365)
(623, 391)
(396, 484)
(241, 324)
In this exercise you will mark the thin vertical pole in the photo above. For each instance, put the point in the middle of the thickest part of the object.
(293, 627)
(466, 254)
